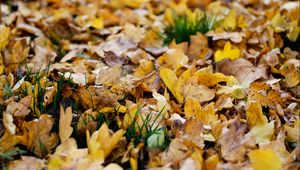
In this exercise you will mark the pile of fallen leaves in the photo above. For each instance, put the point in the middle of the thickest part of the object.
(149, 84)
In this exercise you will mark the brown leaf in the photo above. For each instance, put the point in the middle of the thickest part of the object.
(232, 142)
(37, 137)
(243, 70)
(65, 120)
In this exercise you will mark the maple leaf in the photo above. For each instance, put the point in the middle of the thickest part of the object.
(37, 137)
(229, 51)
(103, 141)
(65, 120)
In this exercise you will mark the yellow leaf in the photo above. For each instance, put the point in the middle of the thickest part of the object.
(207, 114)
(173, 58)
(208, 78)
(1, 68)
(229, 22)
(162, 102)
(4, 38)
(169, 78)
(180, 84)
(229, 52)
(97, 23)
(264, 159)
(262, 133)
(102, 140)
(293, 32)
(255, 115)
(145, 67)
(279, 23)
(129, 3)
(65, 120)
(191, 108)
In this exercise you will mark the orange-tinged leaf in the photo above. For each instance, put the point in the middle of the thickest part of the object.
(255, 115)
(65, 120)
(208, 78)
(264, 159)
(7, 141)
(37, 137)
(229, 51)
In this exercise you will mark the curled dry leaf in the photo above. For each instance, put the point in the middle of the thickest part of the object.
(8, 123)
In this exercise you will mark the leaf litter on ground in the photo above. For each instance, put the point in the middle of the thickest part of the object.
(149, 84)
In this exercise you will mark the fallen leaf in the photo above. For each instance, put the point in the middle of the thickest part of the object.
(65, 120)
(173, 58)
(7, 141)
(9, 124)
(232, 141)
(4, 40)
(255, 115)
(230, 52)
(290, 72)
(230, 21)
(103, 141)
(262, 133)
(243, 70)
(264, 159)
(26, 162)
(37, 137)
(293, 132)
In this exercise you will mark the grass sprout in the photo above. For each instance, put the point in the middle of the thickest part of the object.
(141, 133)
(183, 27)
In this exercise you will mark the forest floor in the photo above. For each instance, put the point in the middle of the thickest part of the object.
(149, 84)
